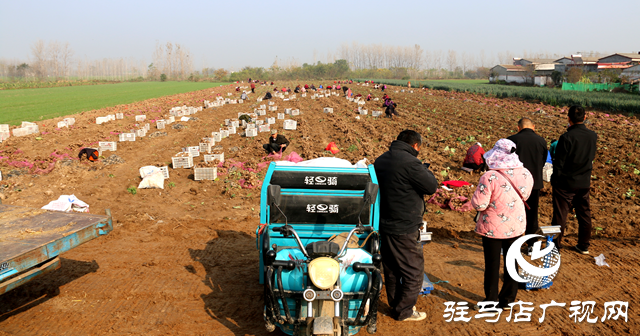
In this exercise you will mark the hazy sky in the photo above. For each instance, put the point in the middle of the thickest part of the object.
(233, 34)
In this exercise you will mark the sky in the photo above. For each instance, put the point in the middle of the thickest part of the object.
(234, 34)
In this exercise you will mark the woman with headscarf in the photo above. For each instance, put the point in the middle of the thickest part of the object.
(499, 199)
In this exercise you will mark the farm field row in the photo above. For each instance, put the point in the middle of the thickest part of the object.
(38, 104)
(603, 101)
(183, 260)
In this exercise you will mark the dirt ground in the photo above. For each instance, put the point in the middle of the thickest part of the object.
(183, 260)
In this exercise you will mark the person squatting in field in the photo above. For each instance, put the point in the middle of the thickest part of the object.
(390, 108)
(474, 160)
(277, 143)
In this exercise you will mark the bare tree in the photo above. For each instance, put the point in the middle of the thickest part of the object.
(66, 58)
(39, 64)
(452, 59)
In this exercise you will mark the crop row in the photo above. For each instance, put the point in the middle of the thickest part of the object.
(606, 101)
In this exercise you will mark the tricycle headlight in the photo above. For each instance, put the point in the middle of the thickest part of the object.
(324, 272)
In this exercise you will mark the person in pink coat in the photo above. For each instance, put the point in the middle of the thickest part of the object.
(499, 199)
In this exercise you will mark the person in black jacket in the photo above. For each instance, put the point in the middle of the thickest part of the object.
(532, 151)
(404, 181)
(277, 143)
(571, 178)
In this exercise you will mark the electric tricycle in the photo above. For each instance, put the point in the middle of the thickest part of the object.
(319, 249)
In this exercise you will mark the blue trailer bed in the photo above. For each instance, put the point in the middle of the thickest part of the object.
(32, 239)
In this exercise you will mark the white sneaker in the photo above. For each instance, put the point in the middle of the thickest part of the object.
(416, 316)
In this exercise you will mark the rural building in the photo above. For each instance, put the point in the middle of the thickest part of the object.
(620, 58)
(633, 73)
(588, 64)
(509, 73)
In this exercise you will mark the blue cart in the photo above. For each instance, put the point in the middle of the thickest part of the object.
(31, 240)
(313, 283)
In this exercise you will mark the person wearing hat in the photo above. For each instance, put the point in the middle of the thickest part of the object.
(277, 143)
(499, 200)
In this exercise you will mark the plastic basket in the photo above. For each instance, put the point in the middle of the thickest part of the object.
(207, 173)
(211, 157)
(127, 137)
(251, 132)
(290, 125)
(108, 145)
(182, 161)
(205, 147)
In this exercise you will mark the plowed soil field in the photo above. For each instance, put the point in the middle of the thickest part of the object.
(183, 260)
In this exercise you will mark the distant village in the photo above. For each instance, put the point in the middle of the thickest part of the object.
(624, 67)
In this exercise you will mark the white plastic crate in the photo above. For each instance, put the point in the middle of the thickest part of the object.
(376, 113)
(363, 112)
(259, 122)
(4, 135)
(108, 145)
(240, 101)
(304, 95)
(227, 122)
(170, 120)
(205, 147)
(251, 132)
(263, 107)
(70, 121)
(216, 156)
(182, 160)
(127, 137)
(4, 128)
(290, 124)
(160, 124)
(287, 111)
(101, 120)
(232, 130)
(328, 110)
(119, 115)
(192, 150)
(264, 128)
(62, 124)
(210, 141)
(295, 112)
(280, 116)
(141, 117)
(235, 123)
(271, 120)
(165, 171)
(141, 132)
(205, 173)
(273, 108)
(271, 103)
(217, 137)
(224, 133)
(147, 126)
(111, 116)
(18, 132)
